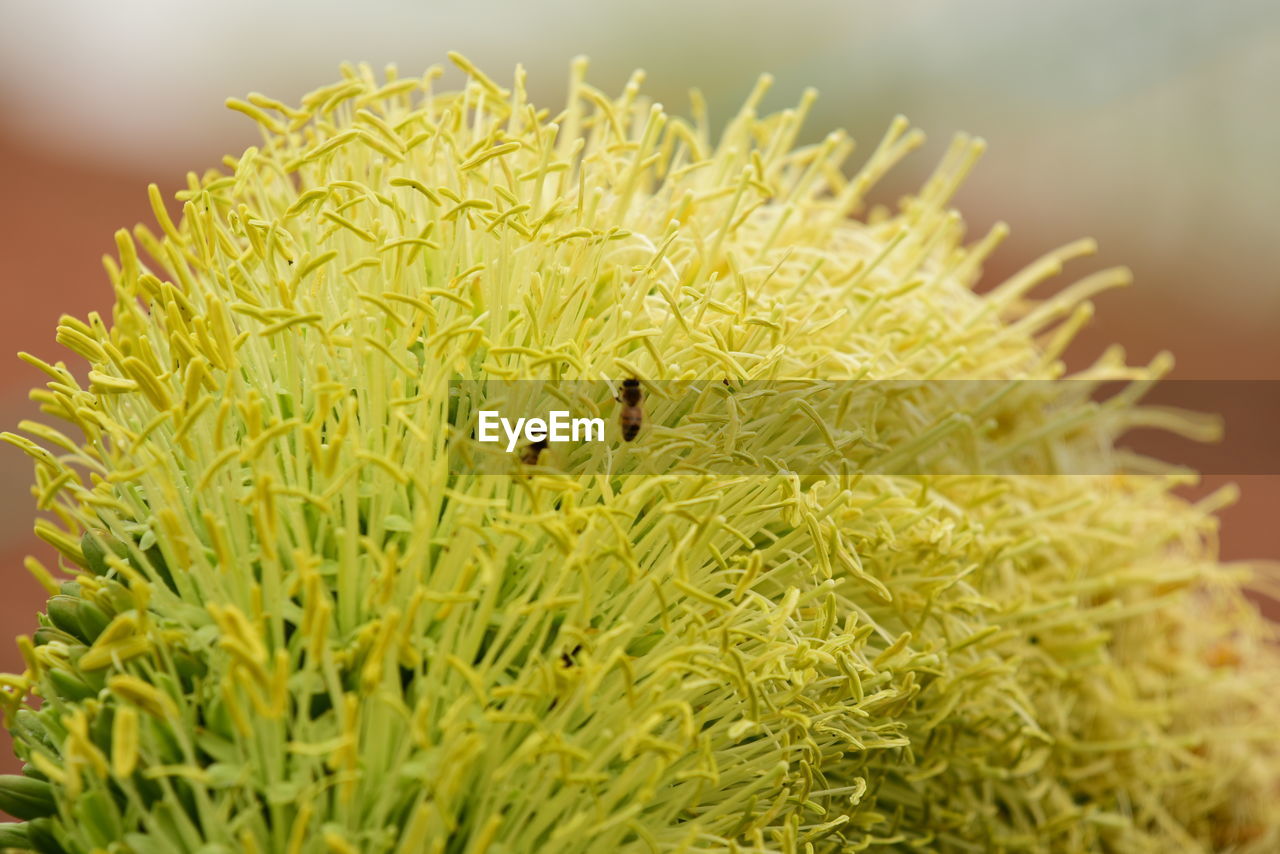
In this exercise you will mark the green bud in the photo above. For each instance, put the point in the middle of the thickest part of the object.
(42, 838)
(95, 679)
(165, 744)
(70, 685)
(161, 567)
(114, 598)
(64, 613)
(218, 720)
(23, 797)
(48, 634)
(49, 720)
(100, 728)
(34, 773)
(93, 620)
(169, 819)
(94, 544)
(99, 818)
(28, 727)
(13, 834)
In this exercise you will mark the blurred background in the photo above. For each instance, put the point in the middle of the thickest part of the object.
(1152, 126)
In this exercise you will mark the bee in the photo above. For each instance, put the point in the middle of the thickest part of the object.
(631, 415)
(570, 658)
(529, 456)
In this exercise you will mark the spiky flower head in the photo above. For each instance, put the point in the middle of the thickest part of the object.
(296, 626)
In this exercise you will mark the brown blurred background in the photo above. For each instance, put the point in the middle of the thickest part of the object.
(1152, 126)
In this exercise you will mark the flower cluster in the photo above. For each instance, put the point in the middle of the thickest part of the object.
(293, 628)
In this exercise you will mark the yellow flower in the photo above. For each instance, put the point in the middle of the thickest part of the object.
(343, 640)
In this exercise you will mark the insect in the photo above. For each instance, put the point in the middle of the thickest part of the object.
(631, 415)
(570, 658)
(529, 456)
